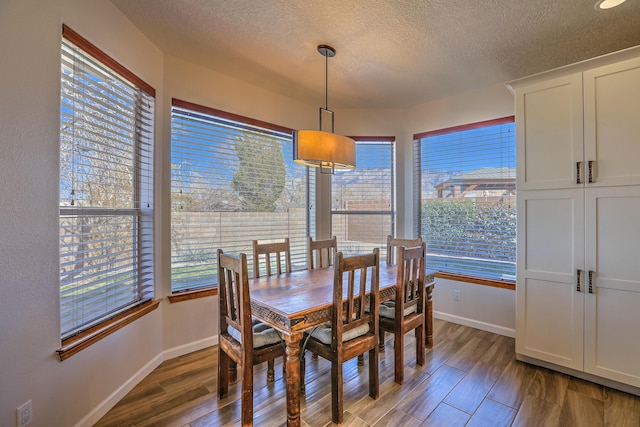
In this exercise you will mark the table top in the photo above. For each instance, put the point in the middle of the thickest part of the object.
(298, 301)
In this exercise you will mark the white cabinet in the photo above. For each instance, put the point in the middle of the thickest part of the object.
(549, 133)
(578, 271)
(581, 129)
(550, 308)
(612, 302)
(612, 123)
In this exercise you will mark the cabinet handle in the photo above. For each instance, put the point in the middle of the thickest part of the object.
(590, 162)
(578, 280)
(578, 180)
(590, 281)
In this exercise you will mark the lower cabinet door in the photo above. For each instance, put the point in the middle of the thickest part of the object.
(612, 307)
(550, 307)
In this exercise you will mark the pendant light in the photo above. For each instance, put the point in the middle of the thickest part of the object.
(325, 150)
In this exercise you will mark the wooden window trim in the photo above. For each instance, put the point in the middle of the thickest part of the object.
(504, 284)
(194, 294)
(84, 339)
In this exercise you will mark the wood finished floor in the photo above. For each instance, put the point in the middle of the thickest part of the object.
(470, 378)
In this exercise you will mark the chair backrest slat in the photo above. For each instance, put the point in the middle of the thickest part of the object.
(278, 250)
(393, 243)
(324, 251)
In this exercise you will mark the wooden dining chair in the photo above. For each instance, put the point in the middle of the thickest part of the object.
(393, 243)
(353, 329)
(277, 259)
(276, 255)
(322, 251)
(406, 313)
(240, 343)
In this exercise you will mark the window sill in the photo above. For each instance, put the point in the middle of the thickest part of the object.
(195, 294)
(504, 284)
(75, 344)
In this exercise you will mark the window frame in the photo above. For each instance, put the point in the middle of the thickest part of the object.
(244, 122)
(141, 233)
(418, 156)
(362, 141)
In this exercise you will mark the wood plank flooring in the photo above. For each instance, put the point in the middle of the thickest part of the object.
(470, 378)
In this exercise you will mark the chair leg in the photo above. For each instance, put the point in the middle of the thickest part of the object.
(361, 360)
(374, 380)
(420, 347)
(398, 356)
(337, 397)
(223, 374)
(247, 395)
(314, 356)
(381, 340)
(270, 371)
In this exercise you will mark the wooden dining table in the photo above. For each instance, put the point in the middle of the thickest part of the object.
(296, 302)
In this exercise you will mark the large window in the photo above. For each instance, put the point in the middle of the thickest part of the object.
(466, 190)
(233, 180)
(106, 194)
(363, 199)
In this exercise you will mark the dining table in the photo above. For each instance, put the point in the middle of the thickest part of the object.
(296, 302)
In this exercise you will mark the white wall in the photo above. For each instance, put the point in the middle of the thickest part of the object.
(79, 390)
(62, 392)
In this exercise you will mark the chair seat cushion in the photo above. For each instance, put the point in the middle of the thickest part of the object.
(323, 333)
(388, 309)
(263, 334)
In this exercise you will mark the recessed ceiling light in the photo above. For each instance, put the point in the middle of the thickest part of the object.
(608, 4)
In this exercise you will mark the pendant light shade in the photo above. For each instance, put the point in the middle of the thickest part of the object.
(325, 150)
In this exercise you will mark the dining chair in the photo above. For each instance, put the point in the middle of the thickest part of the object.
(406, 312)
(277, 259)
(353, 329)
(240, 342)
(276, 255)
(393, 243)
(322, 251)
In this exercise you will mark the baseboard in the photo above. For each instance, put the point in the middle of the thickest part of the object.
(98, 412)
(190, 347)
(472, 323)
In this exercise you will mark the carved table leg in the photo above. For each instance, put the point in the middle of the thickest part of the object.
(293, 378)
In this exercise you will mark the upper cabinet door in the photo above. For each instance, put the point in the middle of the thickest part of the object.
(549, 133)
(612, 123)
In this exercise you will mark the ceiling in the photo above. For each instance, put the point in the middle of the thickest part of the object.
(390, 54)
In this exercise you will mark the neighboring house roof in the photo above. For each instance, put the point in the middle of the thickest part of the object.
(479, 179)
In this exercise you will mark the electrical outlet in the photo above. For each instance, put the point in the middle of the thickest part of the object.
(24, 414)
(457, 295)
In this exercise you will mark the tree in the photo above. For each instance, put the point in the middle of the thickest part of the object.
(261, 175)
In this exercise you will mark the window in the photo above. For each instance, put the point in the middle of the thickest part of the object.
(233, 180)
(466, 190)
(363, 199)
(106, 190)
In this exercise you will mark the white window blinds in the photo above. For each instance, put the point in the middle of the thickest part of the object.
(106, 189)
(363, 199)
(466, 189)
(233, 180)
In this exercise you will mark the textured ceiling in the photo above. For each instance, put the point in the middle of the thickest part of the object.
(390, 54)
